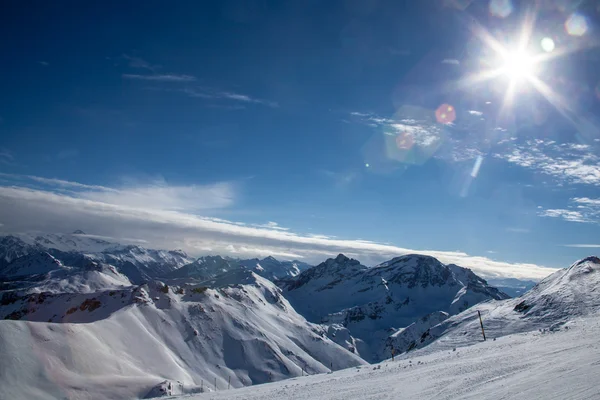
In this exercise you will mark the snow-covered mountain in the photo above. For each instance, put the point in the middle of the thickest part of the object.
(12, 247)
(76, 250)
(564, 296)
(134, 341)
(206, 267)
(273, 269)
(372, 304)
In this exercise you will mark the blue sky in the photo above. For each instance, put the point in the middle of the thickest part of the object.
(303, 128)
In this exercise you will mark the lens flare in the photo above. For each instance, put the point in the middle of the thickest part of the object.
(501, 8)
(576, 25)
(547, 44)
(404, 141)
(445, 114)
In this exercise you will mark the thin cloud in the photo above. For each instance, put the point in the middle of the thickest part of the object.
(582, 210)
(161, 78)
(137, 62)
(154, 195)
(517, 230)
(567, 215)
(204, 93)
(6, 157)
(44, 63)
(271, 225)
(570, 163)
(450, 61)
(166, 225)
(583, 246)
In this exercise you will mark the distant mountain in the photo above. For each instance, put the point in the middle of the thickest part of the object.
(203, 268)
(12, 247)
(273, 269)
(208, 267)
(373, 303)
(512, 286)
(566, 295)
(137, 263)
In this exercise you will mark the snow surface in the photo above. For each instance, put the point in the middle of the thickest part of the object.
(127, 343)
(557, 365)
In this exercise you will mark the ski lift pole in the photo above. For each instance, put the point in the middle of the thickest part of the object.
(481, 323)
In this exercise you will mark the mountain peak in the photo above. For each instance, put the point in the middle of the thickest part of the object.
(78, 232)
(590, 259)
(341, 258)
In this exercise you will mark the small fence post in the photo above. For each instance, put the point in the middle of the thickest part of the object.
(481, 323)
(393, 351)
(215, 384)
(202, 386)
(229, 384)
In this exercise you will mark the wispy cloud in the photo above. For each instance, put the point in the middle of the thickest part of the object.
(571, 163)
(583, 246)
(567, 215)
(163, 218)
(157, 194)
(6, 157)
(271, 225)
(161, 78)
(205, 93)
(137, 62)
(412, 136)
(450, 61)
(517, 230)
(44, 63)
(581, 209)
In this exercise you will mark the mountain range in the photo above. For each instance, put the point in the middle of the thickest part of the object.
(125, 321)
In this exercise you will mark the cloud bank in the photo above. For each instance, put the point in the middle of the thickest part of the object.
(164, 216)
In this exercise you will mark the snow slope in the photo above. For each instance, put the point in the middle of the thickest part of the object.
(553, 366)
(568, 293)
(135, 341)
(374, 303)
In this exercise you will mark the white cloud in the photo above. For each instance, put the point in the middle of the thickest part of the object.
(450, 61)
(154, 195)
(161, 78)
(587, 211)
(271, 225)
(166, 222)
(567, 215)
(566, 162)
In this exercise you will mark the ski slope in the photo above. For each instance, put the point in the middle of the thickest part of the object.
(563, 364)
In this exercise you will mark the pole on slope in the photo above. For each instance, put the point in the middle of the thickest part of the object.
(202, 386)
(331, 366)
(215, 384)
(229, 384)
(481, 323)
(393, 351)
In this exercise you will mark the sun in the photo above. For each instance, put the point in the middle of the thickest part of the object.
(517, 65)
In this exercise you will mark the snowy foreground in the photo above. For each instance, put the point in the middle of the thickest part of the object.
(564, 364)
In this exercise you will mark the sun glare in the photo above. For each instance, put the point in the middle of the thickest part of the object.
(518, 65)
